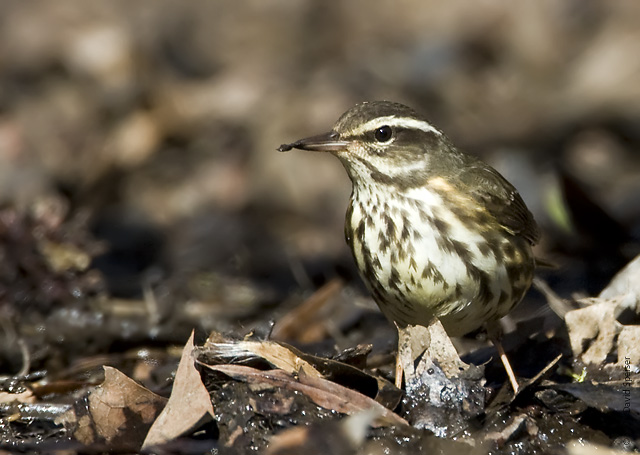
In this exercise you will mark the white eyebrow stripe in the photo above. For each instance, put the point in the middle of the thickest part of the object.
(392, 120)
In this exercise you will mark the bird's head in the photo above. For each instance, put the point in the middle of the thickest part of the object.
(382, 142)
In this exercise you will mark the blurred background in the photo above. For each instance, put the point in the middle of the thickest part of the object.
(141, 193)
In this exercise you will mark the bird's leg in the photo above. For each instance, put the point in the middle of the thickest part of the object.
(494, 331)
(399, 369)
(507, 367)
(404, 355)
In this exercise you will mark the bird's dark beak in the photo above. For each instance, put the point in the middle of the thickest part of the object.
(327, 142)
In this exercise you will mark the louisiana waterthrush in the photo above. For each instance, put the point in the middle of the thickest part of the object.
(435, 232)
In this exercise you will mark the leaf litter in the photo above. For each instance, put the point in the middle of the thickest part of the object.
(277, 388)
(243, 395)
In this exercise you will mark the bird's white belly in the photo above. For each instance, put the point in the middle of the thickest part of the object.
(420, 261)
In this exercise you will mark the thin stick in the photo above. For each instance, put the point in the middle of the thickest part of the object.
(399, 371)
(507, 365)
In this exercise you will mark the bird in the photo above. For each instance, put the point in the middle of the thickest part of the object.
(435, 232)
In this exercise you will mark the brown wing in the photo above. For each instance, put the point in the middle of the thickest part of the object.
(501, 199)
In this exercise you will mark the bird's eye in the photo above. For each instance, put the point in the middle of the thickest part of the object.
(383, 134)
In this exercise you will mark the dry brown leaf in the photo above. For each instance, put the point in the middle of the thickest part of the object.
(322, 392)
(277, 355)
(593, 330)
(188, 404)
(625, 282)
(628, 342)
(434, 343)
(120, 411)
(293, 361)
(334, 370)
